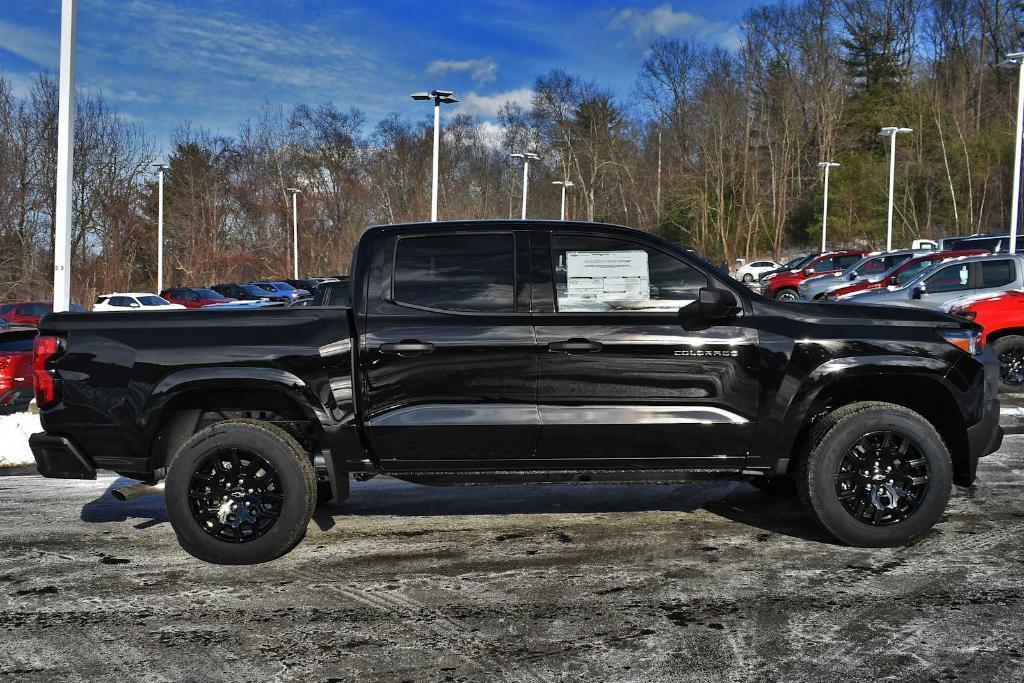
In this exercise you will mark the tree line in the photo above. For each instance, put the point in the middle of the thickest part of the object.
(715, 149)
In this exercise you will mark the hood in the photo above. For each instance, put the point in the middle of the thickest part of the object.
(971, 299)
(854, 314)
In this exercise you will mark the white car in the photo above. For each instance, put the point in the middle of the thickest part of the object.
(754, 270)
(134, 301)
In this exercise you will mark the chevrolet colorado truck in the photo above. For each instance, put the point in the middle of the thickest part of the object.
(518, 351)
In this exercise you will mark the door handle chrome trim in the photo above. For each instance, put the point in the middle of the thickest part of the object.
(406, 347)
(575, 346)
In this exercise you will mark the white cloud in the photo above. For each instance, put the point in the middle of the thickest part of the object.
(483, 70)
(663, 20)
(35, 45)
(487, 106)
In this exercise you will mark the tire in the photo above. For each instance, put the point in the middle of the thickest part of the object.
(748, 278)
(774, 485)
(838, 439)
(1009, 351)
(787, 294)
(205, 526)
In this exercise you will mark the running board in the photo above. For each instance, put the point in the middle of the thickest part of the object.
(462, 478)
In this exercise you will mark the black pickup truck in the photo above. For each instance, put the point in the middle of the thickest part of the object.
(518, 351)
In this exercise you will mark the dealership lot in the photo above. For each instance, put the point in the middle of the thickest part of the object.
(711, 581)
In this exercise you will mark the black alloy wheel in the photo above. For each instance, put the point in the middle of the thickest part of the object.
(882, 479)
(1011, 366)
(235, 496)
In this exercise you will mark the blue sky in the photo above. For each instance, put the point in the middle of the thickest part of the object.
(215, 63)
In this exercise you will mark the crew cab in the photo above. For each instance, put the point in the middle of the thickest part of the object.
(784, 286)
(1001, 317)
(900, 273)
(518, 351)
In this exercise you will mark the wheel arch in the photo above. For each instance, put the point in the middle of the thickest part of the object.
(1004, 332)
(924, 393)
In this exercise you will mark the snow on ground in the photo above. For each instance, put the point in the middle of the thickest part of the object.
(14, 432)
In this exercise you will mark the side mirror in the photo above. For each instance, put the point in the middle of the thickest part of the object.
(715, 304)
(853, 275)
(920, 291)
(808, 271)
(134, 304)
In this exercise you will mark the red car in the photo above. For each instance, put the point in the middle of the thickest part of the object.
(195, 297)
(30, 312)
(784, 285)
(903, 272)
(16, 369)
(1002, 317)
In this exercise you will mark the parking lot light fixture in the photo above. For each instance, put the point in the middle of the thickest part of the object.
(525, 156)
(160, 168)
(827, 165)
(891, 132)
(439, 97)
(295, 192)
(1015, 60)
(565, 184)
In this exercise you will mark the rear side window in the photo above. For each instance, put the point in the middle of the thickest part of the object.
(468, 273)
(16, 342)
(844, 262)
(997, 273)
(152, 301)
(122, 301)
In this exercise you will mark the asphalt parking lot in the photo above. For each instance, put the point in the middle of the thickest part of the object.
(713, 581)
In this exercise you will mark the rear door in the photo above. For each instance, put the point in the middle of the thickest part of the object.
(449, 355)
(629, 375)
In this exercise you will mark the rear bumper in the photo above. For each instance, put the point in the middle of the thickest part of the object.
(57, 457)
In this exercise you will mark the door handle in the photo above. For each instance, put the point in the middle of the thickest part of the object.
(406, 348)
(575, 346)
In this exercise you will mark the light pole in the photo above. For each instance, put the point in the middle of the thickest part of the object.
(525, 156)
(891, 132)
(62, 217)
(295, 228)
(440, 97)
(1016, 60)
(564, 184)
(827, 165)
(160, 168)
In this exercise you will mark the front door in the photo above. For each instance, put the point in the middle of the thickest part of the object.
(449, 355)
(628, 372)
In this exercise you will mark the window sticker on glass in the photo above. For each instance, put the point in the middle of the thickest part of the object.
(608, 275)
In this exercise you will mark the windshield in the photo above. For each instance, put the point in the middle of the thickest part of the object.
(283, 287)
(153, 301)
(792, 264)
(208, 294)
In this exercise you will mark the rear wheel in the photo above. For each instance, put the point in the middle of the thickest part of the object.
(240, 492)
(747, 277)
(875, 475)
(1010, 352)
(787, 294)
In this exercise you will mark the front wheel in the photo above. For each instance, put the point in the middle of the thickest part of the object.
(1009, 351)
(787, 294)
(875, 475)
(240, 492)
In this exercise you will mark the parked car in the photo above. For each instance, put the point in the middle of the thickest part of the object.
(195, 297)
(309, 284)
(897, 274)
(1001, 317)
(30, 312)
(950, 279)
(243, 304)
(133, 301)
(16, 369)
(246, 293)
(457, 365)
(282, 290)
(871, 266)
(795, 263)
(783, 286)
(333, 293)
(755, 269)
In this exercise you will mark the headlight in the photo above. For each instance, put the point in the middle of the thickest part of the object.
(769, 277)
(968, 341)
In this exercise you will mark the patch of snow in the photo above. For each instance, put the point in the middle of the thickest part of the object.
(14, 432)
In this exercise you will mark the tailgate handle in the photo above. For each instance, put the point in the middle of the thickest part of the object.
(406, 347)
(575, 346)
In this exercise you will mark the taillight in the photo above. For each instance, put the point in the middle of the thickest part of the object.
(43, 350)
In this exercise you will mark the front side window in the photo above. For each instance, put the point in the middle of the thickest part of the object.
(997, 273)
(610, 274)
(844, 262)
(466, 273)
(153, 301)
(824, 265)
(948, 279)
(121, 301)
